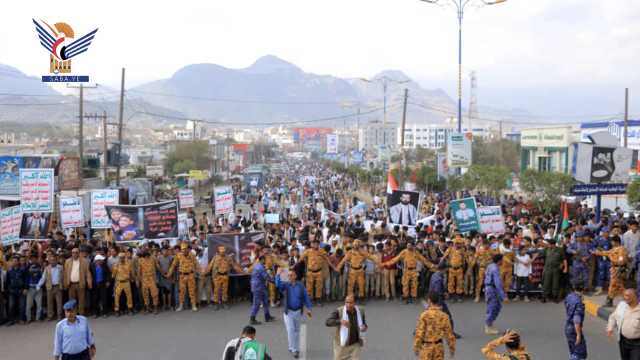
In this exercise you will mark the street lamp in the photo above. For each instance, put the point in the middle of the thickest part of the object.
(461, 5)
(385, 80)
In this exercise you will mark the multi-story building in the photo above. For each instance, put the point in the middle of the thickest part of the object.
(425, 136)
(376, 135)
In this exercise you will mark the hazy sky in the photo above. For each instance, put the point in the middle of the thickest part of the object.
(555, 57)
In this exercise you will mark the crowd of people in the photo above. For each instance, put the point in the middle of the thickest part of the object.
(337, 244)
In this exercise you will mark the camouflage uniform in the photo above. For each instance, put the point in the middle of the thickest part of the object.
(356, 259)
(187, 265)
(506, 270)
(410, 260)
(220, 266)
(618, 257)
(470, 260)
(455, 258)
(432, 329)
(315, 260)
(490, 353)
(147, 267)
(483, 259)
(122, 274)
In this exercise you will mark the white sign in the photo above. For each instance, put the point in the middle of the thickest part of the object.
(459, 150)
(183, 226)
(491, 220)
(332, 144)
(185, 197)
(36, 190)
(10, 222)
(100, 199)
(559, 136)
(272, 218)
(596, 164)
(154, 170)
(223, 196)
(71, 212)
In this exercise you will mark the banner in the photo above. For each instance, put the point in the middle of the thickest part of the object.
(185, 197)
(491, 220)
(71, 212)
(240, 245)
(10, 222)
(465, 214)
(10, 174)
(140, 222)
(35, 225)
(403, 207)
(100, 199)
(36, 190)
(183, 226)
(69, 174)
(223, 197)
(459, 150)
(332, 144)
(272, 218)
(443, 167)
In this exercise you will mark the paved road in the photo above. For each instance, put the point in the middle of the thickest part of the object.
(199, 336)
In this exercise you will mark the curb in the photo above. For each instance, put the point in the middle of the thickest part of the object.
(597, 310)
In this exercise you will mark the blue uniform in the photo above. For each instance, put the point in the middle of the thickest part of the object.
(575, 315)
(581, 252)
(603, 263)
(493, 292)
(436, 285)
(259, 278)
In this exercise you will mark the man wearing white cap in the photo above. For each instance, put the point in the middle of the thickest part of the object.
(101, 275)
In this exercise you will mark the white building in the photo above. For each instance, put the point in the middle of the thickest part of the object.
(548, 148)
(425, 136)
(375, 135)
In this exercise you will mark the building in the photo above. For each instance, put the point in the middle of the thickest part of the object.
(425, 136)
(376, 135)
(548, 148)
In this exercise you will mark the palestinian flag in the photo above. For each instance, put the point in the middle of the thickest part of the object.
(563, 222)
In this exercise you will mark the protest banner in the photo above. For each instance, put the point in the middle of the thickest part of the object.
(36, 190)
(100, 199)
(491, 220)
(183, 226)
(140, 222)
(223, 197)
(465, 214)
(185, 198)
(403, 207)
(35, 225)
(71, 212)
(240, 245)
(10, 222)
(272, 218)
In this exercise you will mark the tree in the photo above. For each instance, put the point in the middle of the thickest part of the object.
(633, 193)
(491, 179)
(545, 188)
(427, 179)
(501, 152)
(196, 152)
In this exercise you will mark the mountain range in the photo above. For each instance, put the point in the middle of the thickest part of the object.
(270, 91)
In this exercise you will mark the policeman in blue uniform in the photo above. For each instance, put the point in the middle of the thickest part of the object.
(603, 264)
(493, 293)
(573, 326)
(581, 250)
(436, 285)
(259, 278)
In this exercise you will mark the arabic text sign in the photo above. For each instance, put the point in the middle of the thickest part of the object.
(71, 212)
(10, 223)
(149, 221)
(36, 190)
(599, 189)
(491, 220)
(185, 197)
(100, 199)
(272, 218)
(223, 196)
(458, 150)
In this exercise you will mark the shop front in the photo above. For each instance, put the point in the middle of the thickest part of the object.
(547, 148)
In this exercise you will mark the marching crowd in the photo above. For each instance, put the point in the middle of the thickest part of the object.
(336, 245)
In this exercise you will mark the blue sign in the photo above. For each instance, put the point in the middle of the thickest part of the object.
(599, 189)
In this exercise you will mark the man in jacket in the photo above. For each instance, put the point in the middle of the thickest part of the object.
(16, 287)
(102, 278)
(52, 282)
(350, 323)
(77, 278)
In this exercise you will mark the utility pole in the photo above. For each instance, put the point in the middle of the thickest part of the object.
(358, 130)
(404, 123)
(500, 139)
(626, 115)
(105, 148)
(81, 129)
(120, 129)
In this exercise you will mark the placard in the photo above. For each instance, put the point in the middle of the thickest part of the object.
(491, 220)
(10, 222)
(185, 197)
(459, 150)
(272, 218)
(100, 199)
(71, 212)
(139, 222)
(223, 197)
(465, 214)
(403, 207)
(69, 174)
(36, 190)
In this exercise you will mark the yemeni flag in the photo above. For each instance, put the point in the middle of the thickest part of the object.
(563, 224)
(392, 184)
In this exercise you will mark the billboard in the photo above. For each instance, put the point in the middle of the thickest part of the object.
(459, 150)
(332, 144)
(598, 164)
(10, 170)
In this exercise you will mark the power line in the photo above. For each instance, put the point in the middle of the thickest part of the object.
(241, 101)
